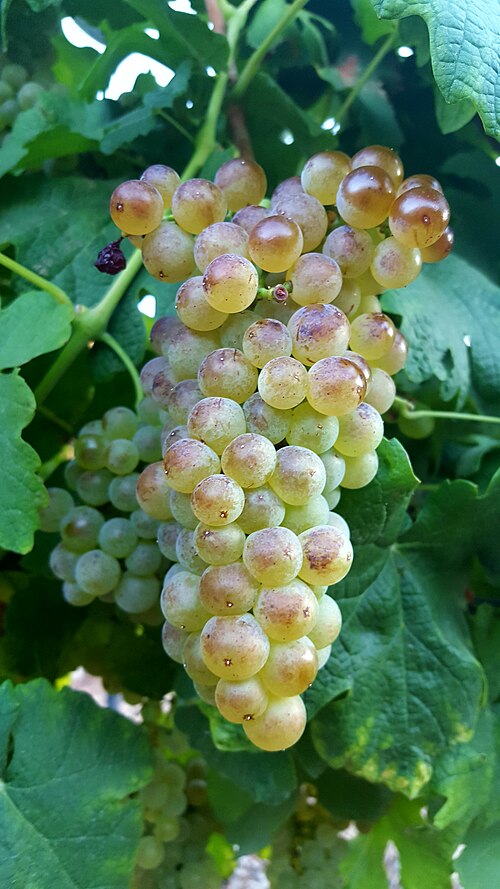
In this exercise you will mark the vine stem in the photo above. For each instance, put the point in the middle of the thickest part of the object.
(59, 295)
(253, 64)
(385, 47)
(113, 344)
(406, 410)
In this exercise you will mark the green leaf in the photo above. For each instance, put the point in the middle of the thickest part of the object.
(453, 117)
(372, 28)
(72, 63)
(57, 748)
(377, 118)
(32, 325)
(449, 301)
(22, 492)
(465, 49)
(267, 15)
(477, 866)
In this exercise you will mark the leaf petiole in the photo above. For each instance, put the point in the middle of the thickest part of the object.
(59, 295)
(113, 344)
(405, 409)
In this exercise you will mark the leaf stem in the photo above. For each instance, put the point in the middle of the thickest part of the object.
(59, 295)
(385, 47)
(174, 123)
(406, 410)
(253, 64)
(113, 344)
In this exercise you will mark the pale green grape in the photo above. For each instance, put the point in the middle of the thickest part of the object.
(314, 512)
(283, 383)
(153, 493)
(80, 528)
(335, 386)
(308, 213)
(381, 390)
(332, 497)
(181, 604)
(280, 726)
(352, 248)
(273, 555)
(97, 573)
(299, 475)
(242, 182)
(164, 178)
(173, 640)
(275, 243)
(315, 279)
(234, 648)
(395, 359)
(122, 456)
(90, 451)
(62, 562)
(194, 664)
(186, 552)
(372, 335)
(250, 459)
(198, 203)
(323, 173)
(216, 422)
(218, 239)
(150, 853)
(230, 283)
(136, 207)
(144, 560)
(162, 385)
(310, 429)
(394, 265)
(182, 399)
(187, 462)
(148, 443)
(287, 612)
(74, 595)
(335, 469)
(349, 298)
(327, 555)
(60, 503)
(263, 509)
(266, 339)
(233, 330)
(242, 701)
(360, 431)
(338, 522)
(291, 667)
(359, 471)
(318, 331)
(169, 435)
(120, 422)
(144, 525)
(187, 350)
(117, 537)
(217, 500)
(167, 539)
(193, 308)
(93, 487)
(273, 423)
(328, 625)
(227, 373)
(182, 511)
(365, 197)
(228, 589)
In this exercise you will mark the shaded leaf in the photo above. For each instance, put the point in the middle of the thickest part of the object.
(32, 325)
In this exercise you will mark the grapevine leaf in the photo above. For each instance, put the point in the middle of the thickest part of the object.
(22, 492)
(372, 28)
(453, 117)
(57, 747)
(377, 117)
(267, 15)
(465, 53)
(48, 323)
(448, 302)
(477, 866)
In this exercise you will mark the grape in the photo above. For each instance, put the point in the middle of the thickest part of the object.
(250, 460)
(198, 203)
(230, 283)
(380, 156)
(182, 511)
(249, 216)
(349, 298)
(216, 422)
(73, 595)
(150, 853)
(117, 537)
(361, 362)
(136, 594)
(234, 648)
(144, 525)
(395, 359)
(335, 470)
(308, 213)
(14, 75)
(419, 180)
(187, 462)
(322, 174)
(340, 523)
(360, 431)
(327, 555)
(165, 179)
(219, 546)
(280, 311)
(80, 528)
(148, 443)
(372, 335)
(182, 399)
(169, 436)
(193, 309)
(332, 497)
(275, 243)
(315, 278)
(365, 197)
(186, 553)
(62, 563)
(351, 248)
(241, 701)
(314, 512)
(217, 239)
(144, 560)
(266, 339)
(242, 182)
(205, 692)
(287, 612)
(149, 412)
(273, 423)
(395, 265)
(92, 487)
(328, 625)
(181, 604)
(93, 427)
(416, 428)
(232, 331)
(162, 385)
(173, 640)
(60, 503)
(120, 422)
(122, 492)
(228, 589)
(335, 386)
(167, 539)
(440, 249)
(359, 471)
(97, 573)
(291, 667)
(194, 664)
(163, 332)
(153, 493)
(263, 509)
(318, 331)
(217, 500)
(298, 476)
(136, 207)
(90, 452)
(283, 382)
(227, 373)
(292, 185)
(381, 390)
(273, 555)
(167, 253)
(419, 217)
(122, 456)
(323, 656)
(188, 348)
(280, 726)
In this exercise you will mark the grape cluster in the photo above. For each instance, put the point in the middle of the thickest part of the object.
(17, 92)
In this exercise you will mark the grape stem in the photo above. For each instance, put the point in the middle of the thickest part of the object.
(365, 76)
(406, 409)
(59, 295)
(113, 344)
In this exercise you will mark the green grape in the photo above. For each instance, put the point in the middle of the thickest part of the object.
(122, 456)
(273, 555)
(381, 391)
(234, 648)
(162, 334)
(322, 174)
(144, 525)
(275, 243)
(122, 492)
(241, 701)
(383, 157)
(365, 197)
(188, 349)
(169, 436)
(136, 594)
(193, 308)
(167, 829)
(335, 386)
(283, 383)
(14, 75)
(117, 538)
(280, 726)
(359, 471)
(181, 604)
(217, 500)
(286, 612)
(332, 497)
(314, 512)
(349, 298)
(144, 560)
(230, 283)
(335, 469)
(265, 339)
(351, 248)
(219, 546)
(263, 509)
(149, 411)
(233, 330)
(420, 427)
(328, 625)
(292, 185)
(318, 331)
(120, 422)
(205, 692)
(72, 473)
(228, 589)
(183, 397)
(312, 430)
(90, 452)
(162, 384)
(361, 362)
(74, 595)
(152, 492)
(360, 431)
(440, 249)
(395, 359)
(242, 182)
(165, 179)
(28, 95)
(219, 239)
(136, 207)
(298, 476)
(198, 203)
(182, 511)
(394, 265)
(308, 213)
(60, 503)
(194, 664)
(338, 522)
(315, 279)
(327, 555)
(273, 423)
(250, 459)
(227, 373)
(93, 487)
(186, 552)
(148, 443)
(149, 853)
(62, 562)
(372, 335)
(167, 539)
(167, 253)
(290, 668)
(97, 573)
(216, 422)
(173, 640)
(80, 528)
